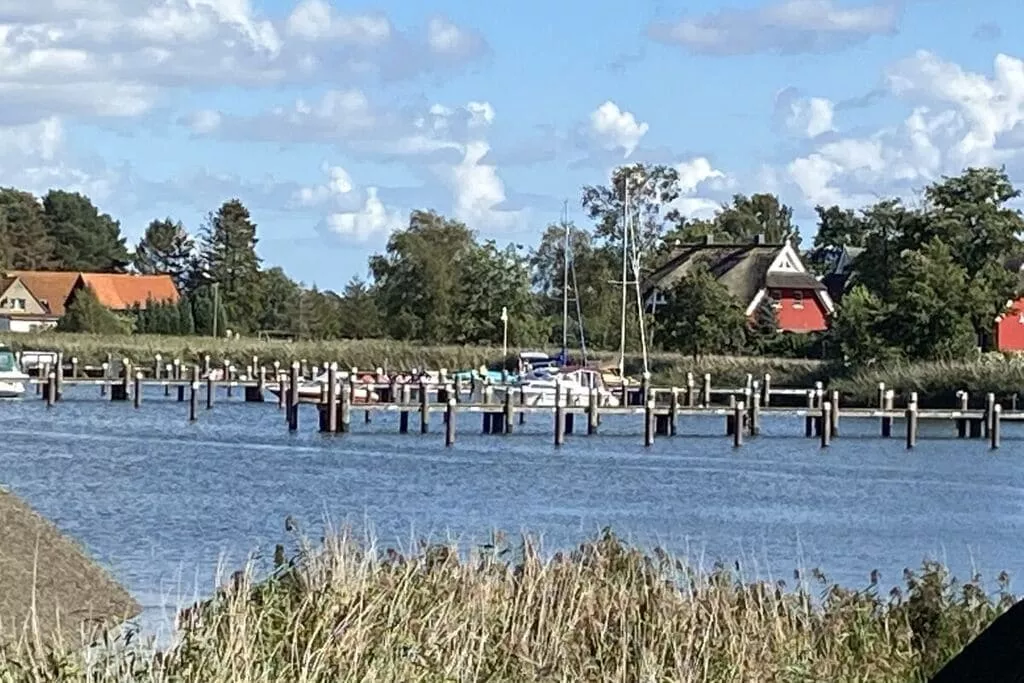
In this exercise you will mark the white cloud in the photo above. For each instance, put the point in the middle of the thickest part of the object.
(614, 128)
(352, 214)
(696, 176)
(478, 191)
(957, 119)
(810, 117)
(788, 26)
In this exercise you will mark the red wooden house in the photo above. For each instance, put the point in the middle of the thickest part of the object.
(751, 272)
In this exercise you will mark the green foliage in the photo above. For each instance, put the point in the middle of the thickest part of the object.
(700, 316)
(84, 239)
(358, 315)
(228, 257)
(85, 313)
(857, 333)
(166, 247)
(281, 297)
(25, 243)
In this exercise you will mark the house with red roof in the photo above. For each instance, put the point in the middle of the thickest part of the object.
(31, 300)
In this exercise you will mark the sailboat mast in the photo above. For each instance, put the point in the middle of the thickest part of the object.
(625, 251)
(565, 283)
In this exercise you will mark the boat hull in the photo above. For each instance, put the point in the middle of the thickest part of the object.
(313, 392)
(10, 388)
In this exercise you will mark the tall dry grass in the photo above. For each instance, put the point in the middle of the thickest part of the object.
(605, 612)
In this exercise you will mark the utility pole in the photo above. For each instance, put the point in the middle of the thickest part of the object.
(216, 306)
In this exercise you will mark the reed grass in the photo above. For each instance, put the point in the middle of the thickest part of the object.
(604, 612)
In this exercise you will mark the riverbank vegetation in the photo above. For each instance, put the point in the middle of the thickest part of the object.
(604, 612)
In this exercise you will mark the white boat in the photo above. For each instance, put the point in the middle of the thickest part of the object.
(541, 388)
(12, 379)
(312, 389)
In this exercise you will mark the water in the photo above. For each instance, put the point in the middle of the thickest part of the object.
(162, 502)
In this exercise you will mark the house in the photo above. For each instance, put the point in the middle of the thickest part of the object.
(48, 294)
(751, 272)
(839, 277)
(20, 309)
(1008, 333)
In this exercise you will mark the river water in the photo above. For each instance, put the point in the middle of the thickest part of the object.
(162, 503)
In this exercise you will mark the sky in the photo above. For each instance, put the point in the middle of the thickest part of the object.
(333, 120)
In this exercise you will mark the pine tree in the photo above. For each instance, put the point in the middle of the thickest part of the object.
(166, 248)
(186, 323)
(228, 257)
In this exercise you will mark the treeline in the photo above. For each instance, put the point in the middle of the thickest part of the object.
(929, 284)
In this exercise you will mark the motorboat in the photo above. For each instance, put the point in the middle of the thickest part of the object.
(12, 378)
(542, 386)
(362, 392)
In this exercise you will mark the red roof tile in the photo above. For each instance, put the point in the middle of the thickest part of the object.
(123, 291)
(51, 288)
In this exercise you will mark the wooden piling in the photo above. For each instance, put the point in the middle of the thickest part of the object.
(193, 401)
(706, 393)
(997, 415)
(449, 423)
(990, 410)
(105, 384)
(559, 422)
(766, 390)
(961, 424)
(158, 366)
(137, 390)
(58, 388)
(649, 422)
(673, 411)
(293, 398)
(730, 416)
(888, 405)
(510, 410)
(345, 418)
(211, 389)
(912, 424)
(424, 407)
(51, 389)
(826, 423)
(593, 412)
(755, 413)
(737, 417)
(404, 397)
(332, 397)
(691, 391)
(74, 367)
(809, 418)
(834, 426)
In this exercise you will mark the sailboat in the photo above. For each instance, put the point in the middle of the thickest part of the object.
(541, 386)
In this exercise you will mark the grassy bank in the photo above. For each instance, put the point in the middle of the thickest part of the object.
(605, 612)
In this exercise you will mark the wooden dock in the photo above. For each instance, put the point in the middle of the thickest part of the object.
(502, 407)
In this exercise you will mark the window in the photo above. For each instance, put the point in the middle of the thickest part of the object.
(776, 296)
(798, 299)
(18, 304)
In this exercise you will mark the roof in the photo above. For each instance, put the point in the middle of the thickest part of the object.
(121, 291)
(792, 281)
(741, 268)
(44, 570)
(50, 288)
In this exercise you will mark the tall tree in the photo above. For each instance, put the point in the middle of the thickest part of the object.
(837, 228)
(651, 189)
(700, 316)
(228, 258)
(281, 298)
(166, 247)
(84, 239)
(85, 313)
(505, 276)
(758, 214)
(417, 277)
(26, 244)
(358, 316)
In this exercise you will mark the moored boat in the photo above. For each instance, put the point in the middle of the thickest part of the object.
(12, 379)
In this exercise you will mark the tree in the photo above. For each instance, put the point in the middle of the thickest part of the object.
(228, 257)
(759, 214)
(24, 240)
(85, 313)
(186, 321)
(651, 189)
(281, 296)
(700, 315)
(856, 333)
(83, 238)
(763, 328)
(837, 228)
(491, 279)
(166, 247)
(202, 302)
(358, 317)
(417, 277)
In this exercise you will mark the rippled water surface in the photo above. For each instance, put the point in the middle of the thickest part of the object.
(161, 501)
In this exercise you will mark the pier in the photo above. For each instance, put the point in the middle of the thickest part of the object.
(818, 413)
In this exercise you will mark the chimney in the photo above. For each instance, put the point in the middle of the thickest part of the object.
(709, 239)
(759, 239)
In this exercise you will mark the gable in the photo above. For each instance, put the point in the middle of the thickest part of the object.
(17, 299)
(50, 289)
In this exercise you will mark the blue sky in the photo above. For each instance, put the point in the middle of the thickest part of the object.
(331, 120)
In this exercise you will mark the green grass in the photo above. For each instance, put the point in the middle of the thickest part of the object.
(605, 612)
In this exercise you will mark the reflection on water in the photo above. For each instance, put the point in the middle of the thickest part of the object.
(161, 501)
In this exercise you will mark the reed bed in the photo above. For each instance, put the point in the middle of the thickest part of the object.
(938, 382)
(604, 612)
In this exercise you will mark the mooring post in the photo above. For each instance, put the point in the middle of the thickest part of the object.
(809, 418)
(293, 398)
(345, 420)
(105, 382)
(881, 395)
(332, 398)
(137, 398)
(457, 388)
(41, 382)
(59, 388)
(206, 364)
(193, 401)
(510, 410)
(649, 426)
(990, 410)
(888, 405)
(826, 423)
(730, 416)
(961, 422)
(997, 416)
(673, 411)
(834, 427)
(51, 389)
(755, 414)
(229, 376)
(158, 366)
(593, 412)
(74, 367)
(210, 390)
(559, 420)
(912, 423)
(706, 393)
(449, 423)
(766, 390)
(522, 404)
(738, 408)
(404, 398)
(168, 369)
(691, 391)
(424, 406)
